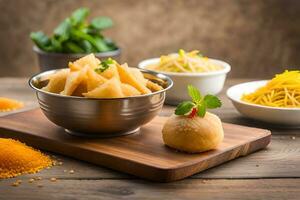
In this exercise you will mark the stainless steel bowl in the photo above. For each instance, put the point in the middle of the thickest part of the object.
(100, 117)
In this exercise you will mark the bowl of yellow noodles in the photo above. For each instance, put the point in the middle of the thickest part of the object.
(274, 101)
(186, 68)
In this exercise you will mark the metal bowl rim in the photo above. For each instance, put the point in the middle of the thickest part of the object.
(159, 75)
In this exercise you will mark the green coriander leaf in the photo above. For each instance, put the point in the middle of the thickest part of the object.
(72, 47)
(41, 40)
(56, 45)
(194, 93)
(62, 31)
(104, 65)
(79, 15)
(184, 108)
(101, 23)
(212, 101)
(201, 110)
(86, 45)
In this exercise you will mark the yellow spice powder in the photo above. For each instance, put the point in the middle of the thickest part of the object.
(16, 158)
(7, 104)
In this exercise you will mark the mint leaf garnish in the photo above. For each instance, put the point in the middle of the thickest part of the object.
(199, 103)
(201, 110)
(212, 101)
(194, 93)
(184, 108)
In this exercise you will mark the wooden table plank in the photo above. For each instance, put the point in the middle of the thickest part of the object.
(251, 189)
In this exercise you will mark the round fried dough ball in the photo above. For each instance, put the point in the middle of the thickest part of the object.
(193, 135)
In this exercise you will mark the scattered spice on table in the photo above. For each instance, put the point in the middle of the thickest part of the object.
(7, 104)
(31, 180)
(53, 179)
(15, 184)
(16, 158)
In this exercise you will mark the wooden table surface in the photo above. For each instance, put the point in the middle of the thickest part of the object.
(273, 173)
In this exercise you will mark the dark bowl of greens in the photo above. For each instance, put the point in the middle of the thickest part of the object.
(73, 38)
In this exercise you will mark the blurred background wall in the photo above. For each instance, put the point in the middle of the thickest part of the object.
(257, 37)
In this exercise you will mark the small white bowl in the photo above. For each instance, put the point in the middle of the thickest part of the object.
(282, 116)
(206, 82)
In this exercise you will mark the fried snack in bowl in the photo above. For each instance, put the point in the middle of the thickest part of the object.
(100, 98)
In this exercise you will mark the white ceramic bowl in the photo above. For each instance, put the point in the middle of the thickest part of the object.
(282, 116)
(206, 82)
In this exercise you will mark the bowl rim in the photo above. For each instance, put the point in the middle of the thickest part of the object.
(38, 75)
(225, 70)
(238, 100)
(103, 54)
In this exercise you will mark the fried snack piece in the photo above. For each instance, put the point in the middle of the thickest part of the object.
(7, 104)
(73, 81)
(127, 77)
(57, 81)
(153, 86)
(90, 60)
(111, 72)
(85, 76)
(110, 89)
(128, 90)
(138, 75)
(94, 80)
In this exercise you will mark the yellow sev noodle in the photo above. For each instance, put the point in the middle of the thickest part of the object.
(16, 158)
(282, 91)
(184, 62)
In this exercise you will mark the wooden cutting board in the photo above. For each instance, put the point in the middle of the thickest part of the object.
(142, 154)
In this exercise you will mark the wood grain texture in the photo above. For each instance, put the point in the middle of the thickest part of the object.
(142, 154)
(189, 189)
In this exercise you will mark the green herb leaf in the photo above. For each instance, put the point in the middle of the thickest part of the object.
(100, 44)
(79, 16)
(194, 93)
(40, 39)
(62, 31)
(200, 103)
(212, 101)
(101, 23)
(87, 46)
(75, 34)
(201, 110)
(73, 47)
(56, 45)
(184, 108)
(104, 65)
